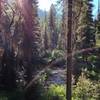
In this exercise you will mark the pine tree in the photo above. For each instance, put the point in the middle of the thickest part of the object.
(31, 40)
(52, 25)
(31, 28)
(64, 25)
(97, 23)
(46, 44)
(88, 33)
(84, 25)
(8, 77)
(0, 23)
(0, 9)
(77, 9)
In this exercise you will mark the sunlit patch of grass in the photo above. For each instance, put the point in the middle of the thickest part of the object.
(98, 42)
(3, 96)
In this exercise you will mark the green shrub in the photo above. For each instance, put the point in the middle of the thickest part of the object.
(56, 92)
(55, 54)
(85, 89)
(92, 58)
(3, 96)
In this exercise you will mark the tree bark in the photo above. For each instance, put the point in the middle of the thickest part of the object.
(69, 51)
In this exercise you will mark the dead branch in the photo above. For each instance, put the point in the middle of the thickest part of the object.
(50, 64)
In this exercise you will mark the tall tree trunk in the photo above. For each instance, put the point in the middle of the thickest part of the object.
(69, 51)
(0, 9)
(32, 37)
(27, 14)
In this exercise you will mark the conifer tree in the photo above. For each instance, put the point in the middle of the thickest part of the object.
(64, 25)
(52, 27)
(0, 9)
(97, 22)
(8, 77)
(0, 23)
(88, 31)
(46, 44)
(85, 28)
(31, 30)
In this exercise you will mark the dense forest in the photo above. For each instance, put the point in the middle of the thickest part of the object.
(49, 55)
